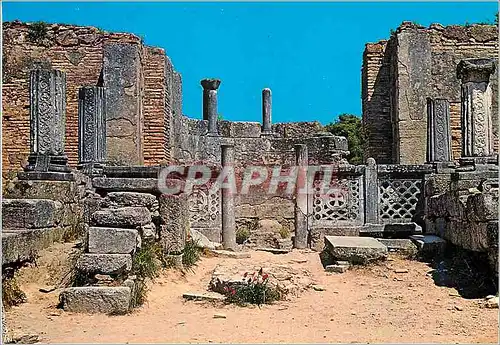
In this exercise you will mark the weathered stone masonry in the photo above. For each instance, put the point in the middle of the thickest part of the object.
(80, 53)
(401, 74)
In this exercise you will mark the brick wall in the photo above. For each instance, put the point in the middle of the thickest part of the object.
(398, 75)
(78, 51)
(375, 94)
(154, 105)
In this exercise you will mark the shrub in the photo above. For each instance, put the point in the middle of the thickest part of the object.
(242, 234)
(254, 290)
(284, 232)
(191, 254)
(141, 293)
(37, 31)
(146, 263)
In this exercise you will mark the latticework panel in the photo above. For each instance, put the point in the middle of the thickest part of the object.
(340, 203)
(398, 199)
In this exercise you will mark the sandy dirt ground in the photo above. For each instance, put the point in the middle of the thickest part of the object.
(375, 305)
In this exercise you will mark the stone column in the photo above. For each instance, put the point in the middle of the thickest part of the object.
(438, 131)
(301, 224)
(477, 129)
(266, 111)
(47, 121)
(174, 215)
(228, 220)
(371, 192)
(210, 87)
(91, 125)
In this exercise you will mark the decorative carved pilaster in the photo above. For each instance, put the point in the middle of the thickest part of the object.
(47, 121)
(91, 125)
(477, 129)
(438, 131)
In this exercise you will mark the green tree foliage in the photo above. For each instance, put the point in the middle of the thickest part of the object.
(349, 126)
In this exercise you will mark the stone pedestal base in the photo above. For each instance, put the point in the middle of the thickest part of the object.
(444, 167)
(269, 135)
(465, 161)
(91, 169)
(46, 176)
(47, 163)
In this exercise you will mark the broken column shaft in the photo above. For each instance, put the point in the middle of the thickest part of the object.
(301, 224)
(228, 219)
(210, 87)
(266, 111)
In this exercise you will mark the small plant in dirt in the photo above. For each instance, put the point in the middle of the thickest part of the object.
(11, 293)
(146, 263)
(254, 290)
(140, 293)
(191, 254)
(37, 31)
(284, 232)
(242, 234)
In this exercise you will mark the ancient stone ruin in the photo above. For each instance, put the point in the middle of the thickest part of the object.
(94, 137)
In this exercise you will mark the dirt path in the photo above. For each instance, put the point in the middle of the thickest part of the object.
(364, 305)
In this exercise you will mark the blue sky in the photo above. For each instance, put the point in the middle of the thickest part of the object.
(309, 54)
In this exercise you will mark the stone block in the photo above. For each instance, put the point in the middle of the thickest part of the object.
(482, 207)
(403, 228)
(127, 217)
(133, 199)
(146, 185)
(429, 243)
(318, 234)
(356, 250)
(204, 296)
(212, 234)
(274, 250)
(96, 299)
(104, 263)
(337, 268)
(201, 240)
(112, 240)
(19, 246)
(30, 213)
(399, 245)
(148, 232)
(230, 254)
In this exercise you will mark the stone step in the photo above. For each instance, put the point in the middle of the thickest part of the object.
(401, 229)
(97, 299)
(133, 199)
(111, 264)
(25, 214)
(112, 240)
(429, 243)
(356, 250)
(399, 244)
(148, 185)
(123, 217)
(132, 171)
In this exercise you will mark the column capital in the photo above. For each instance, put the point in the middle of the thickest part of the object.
(475, 70)
(210, 83)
